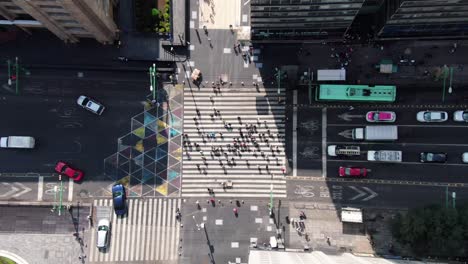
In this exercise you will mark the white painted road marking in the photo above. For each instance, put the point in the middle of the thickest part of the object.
(294, 134)
(324, 142)
(40, 188)
(70, 190)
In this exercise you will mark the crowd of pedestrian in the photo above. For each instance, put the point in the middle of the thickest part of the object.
(246, 138)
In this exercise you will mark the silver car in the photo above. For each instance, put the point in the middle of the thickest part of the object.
(460, 116)
(90, 105)
(103, 233)
(432, 116)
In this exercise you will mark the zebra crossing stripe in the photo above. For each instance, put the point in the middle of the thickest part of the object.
(139, 227)
(116, 233)
(159, 224)
(101, 203)
(143, 231)
(150, 228)
(106, 255)
(150, 232)
(169, 234)
(177, 235)
(93, 239)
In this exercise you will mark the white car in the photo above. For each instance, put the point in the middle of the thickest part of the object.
(432, 116)
(91, 105)
(103, 233)
(460, 116)
(465, 157)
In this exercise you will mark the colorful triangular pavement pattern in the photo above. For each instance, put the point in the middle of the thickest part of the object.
(148, 161)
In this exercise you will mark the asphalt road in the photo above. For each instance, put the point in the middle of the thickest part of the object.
(46, 109)
(362, 194)
(414, 137)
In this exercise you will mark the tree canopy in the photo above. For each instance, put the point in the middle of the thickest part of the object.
(434, 230)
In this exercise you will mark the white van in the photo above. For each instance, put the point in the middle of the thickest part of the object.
(17, 142)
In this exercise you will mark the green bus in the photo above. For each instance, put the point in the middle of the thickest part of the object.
(358, 93)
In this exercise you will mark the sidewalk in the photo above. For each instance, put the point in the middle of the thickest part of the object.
(327, 233)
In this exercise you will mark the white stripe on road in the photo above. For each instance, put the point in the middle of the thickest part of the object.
(126, 233)
(101, 256)
(134, 231)
(158, 240)
(431, 126)
(144, 231)
(107, 252)
(70, 189)
(164, 231)
(404, 162)
(150, 229)
(170, 216)
(395, 143)
(116, 233)
(93, 234)
(294, 154)
(40, 188)
(324, 142)
(177, 231)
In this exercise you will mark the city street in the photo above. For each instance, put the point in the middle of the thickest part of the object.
(47, 110)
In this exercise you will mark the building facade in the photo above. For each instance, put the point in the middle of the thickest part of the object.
(301, 20)
(424, 18)
(69, 20)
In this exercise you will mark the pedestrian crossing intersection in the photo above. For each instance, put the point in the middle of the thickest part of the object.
(234, 134)
(149, 232)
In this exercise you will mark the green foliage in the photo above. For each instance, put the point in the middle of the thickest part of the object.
(434, 230)
(155, 12)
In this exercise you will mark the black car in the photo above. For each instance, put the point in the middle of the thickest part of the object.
(433, 157)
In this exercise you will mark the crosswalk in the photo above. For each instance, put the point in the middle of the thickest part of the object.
(149, 232)
(230, 113)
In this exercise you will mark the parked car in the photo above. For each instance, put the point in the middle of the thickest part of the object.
(432, 116)
(380, 116)
(64, 168)
(460, 116)
(465, 157)
(90, 104)
(432, 157)
(352, 172)
(119, 196)
(103, 233)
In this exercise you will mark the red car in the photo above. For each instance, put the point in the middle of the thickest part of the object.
(353, 172)
(64, 168)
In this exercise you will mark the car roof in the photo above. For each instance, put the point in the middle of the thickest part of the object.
(104, 222)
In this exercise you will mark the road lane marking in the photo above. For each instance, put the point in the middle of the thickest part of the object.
(40, 188)
(378, 181)
(70, 189)
(93, 234)
(324, 142)
(405, 162)
(394, 143)
(367, 124)
(159, 230)
(295, 134)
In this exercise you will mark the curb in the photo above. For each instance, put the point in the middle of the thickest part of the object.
(93, 68)
(36, 203)
(17, 259)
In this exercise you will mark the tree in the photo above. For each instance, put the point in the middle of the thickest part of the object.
(433, 230)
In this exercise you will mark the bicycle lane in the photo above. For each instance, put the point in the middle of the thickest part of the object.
(391, 194)
(35, 188)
